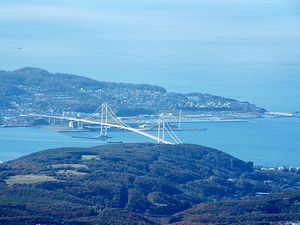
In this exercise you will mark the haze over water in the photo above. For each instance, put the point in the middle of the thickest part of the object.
(249, 50)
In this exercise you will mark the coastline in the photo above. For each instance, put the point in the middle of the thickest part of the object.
(188, 119)
(265, 141)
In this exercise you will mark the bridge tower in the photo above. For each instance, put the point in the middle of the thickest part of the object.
(109, 119)
(161, 127)
(103, 119)
(179, 119)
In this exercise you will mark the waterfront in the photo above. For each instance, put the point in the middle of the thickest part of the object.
(268, 141)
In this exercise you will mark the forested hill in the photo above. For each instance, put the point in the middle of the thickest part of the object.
(30, 90)
(279, 208)
(127, 184)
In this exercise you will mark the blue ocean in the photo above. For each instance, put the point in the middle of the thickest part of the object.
(268, 141)
(248, 50)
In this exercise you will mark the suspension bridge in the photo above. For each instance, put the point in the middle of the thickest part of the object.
(106, 118)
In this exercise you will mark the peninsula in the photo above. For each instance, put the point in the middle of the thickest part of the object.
(33, 90)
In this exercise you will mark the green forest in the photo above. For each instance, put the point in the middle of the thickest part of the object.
(143, 184)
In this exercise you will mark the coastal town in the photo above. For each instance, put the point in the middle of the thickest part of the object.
(71, 95)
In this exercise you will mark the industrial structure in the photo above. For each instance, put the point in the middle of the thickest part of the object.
(106, 118)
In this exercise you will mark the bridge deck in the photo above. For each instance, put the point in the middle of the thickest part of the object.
(160, 140)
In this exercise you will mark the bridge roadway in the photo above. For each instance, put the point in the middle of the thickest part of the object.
(159, 140)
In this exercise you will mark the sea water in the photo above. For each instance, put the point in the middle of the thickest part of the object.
(268, 141)
(247, 50)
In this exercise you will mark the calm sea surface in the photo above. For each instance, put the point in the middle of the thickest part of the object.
(247, 49)
(264, 141)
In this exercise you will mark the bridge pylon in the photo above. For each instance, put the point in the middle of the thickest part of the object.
(103, 119)
(161, 126)
(164, 127)
(108, 118)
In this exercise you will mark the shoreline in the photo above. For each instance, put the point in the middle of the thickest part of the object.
(170, 120)
(185, 133)
(59, 128)
(284, 167)
(200, 118)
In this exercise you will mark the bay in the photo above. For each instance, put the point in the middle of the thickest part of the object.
(267, 141)
(248, 50)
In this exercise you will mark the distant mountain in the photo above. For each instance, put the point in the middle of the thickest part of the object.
(128, 184)
(29, 90)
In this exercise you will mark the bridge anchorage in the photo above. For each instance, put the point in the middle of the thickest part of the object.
(106, 118)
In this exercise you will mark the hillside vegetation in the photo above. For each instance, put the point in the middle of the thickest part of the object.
(274, 208)
(137, 183)
(29, 90)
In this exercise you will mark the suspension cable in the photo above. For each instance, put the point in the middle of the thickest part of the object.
(176, 137)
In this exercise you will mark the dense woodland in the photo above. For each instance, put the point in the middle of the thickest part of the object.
(274, 208)
(141, 184)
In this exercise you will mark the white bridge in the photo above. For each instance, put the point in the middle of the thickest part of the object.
(109, 119)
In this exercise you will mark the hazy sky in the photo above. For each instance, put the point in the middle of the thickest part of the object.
(246, 49)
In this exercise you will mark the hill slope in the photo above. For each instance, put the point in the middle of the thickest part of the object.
(29, 90)
(275, 208)
(146, 182)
